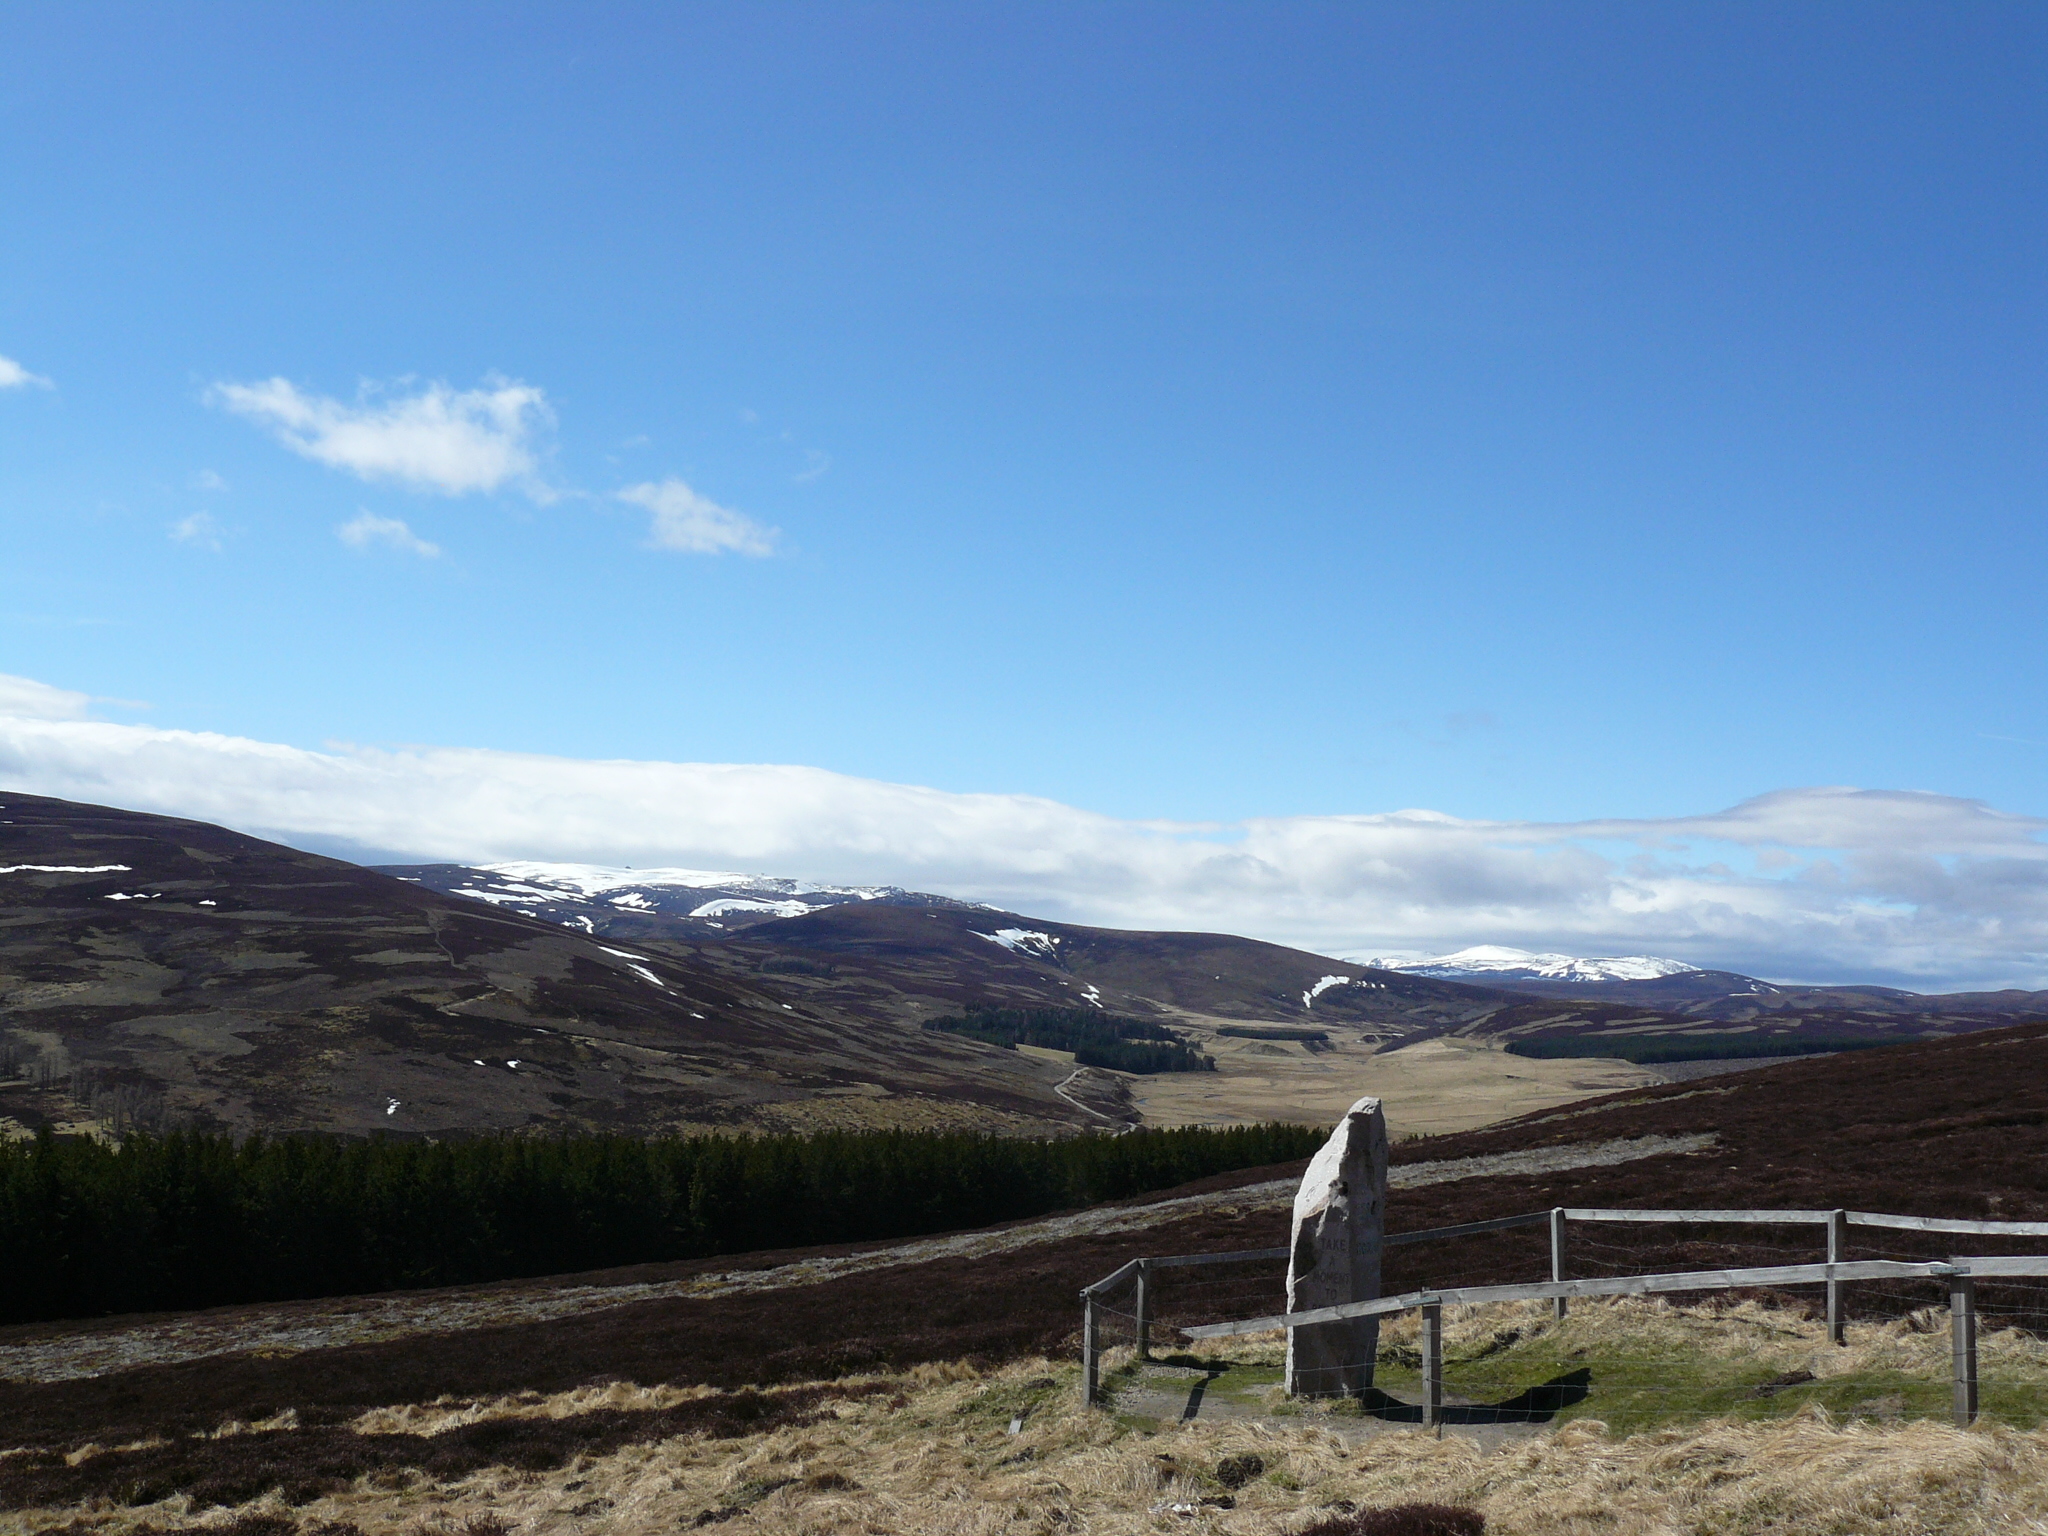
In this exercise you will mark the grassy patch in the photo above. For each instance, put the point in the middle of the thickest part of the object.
(929, 1451)
(1642, 1366)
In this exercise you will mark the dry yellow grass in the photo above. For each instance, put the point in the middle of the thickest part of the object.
(1434, 1088)
(936, 1458)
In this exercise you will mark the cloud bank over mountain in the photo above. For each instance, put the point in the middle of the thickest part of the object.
(1814, 884)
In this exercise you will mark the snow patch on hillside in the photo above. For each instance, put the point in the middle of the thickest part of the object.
(1308, 998)
(598, 879)
(725, 906)
(1024, 941)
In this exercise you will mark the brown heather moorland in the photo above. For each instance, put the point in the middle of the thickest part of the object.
(1956, 1128)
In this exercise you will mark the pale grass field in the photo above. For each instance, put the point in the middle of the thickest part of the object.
(934, 1456)
(1434, 1088)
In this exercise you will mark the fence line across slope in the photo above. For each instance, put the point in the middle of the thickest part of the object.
(1960, 1272)
(1611, 1285)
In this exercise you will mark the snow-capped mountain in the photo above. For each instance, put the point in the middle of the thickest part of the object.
(1498, 962)
(593, 897)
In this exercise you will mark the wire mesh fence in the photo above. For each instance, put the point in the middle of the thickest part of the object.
(1152, 1300)
(1893, 1353)
(1870, 1339)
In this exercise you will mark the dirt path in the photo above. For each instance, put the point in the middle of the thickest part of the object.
(1061, 1090)
(68, 1351)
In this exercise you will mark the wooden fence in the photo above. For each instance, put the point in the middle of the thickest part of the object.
(1960, 1274)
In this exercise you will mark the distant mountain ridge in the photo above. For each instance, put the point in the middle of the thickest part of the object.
(156, 972)
(1711, 1009)
(882, 953)
(1502, 963)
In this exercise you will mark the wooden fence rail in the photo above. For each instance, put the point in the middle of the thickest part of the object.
(1961, 1273)
(1606, 1285)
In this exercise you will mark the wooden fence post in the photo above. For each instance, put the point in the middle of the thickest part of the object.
(1432, 1364)
(1962, 1328)
(1144, 1309)
(1838, 1250)
(1091, 1351)
(1557, 1253)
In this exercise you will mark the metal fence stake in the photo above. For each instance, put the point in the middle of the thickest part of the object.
(1557, 1253)
(1091, 1351)
(1838, 1246)
(1144, 1309)
(1432, 1365)
(1962, 1328)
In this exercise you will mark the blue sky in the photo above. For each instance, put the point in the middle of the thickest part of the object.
(1534, 413)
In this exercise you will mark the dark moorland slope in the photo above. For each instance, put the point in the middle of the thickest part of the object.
(902, 957)
(156, 971)
(876, 959)
(870, 960)
(1721, 1008)
(1955, 1128)
(879, 952)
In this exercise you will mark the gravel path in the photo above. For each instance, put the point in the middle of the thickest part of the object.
(78, 1350)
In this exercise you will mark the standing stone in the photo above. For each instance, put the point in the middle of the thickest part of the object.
(1339, 1230)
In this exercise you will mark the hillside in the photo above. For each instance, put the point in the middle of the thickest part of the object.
(1503, 963)
(880, 956)
(1728, 997)
(1290, 1032)
(875, 960)
(646, 903)
(884, 952)
(1952, 1128)
(881, 953)
(1955, 1128)
(157, 972)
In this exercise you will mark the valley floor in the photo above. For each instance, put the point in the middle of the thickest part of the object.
(1430, 1089)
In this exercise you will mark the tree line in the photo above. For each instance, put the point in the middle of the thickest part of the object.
(1096, 1038)
(1652, 1050)
(192, 1219)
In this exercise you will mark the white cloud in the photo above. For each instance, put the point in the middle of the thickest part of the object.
(200, 528)
(1922, 889)
(14, 376)
(367, 528)
(694, 524)
(208, 480)
(23, 698)
(439, 439)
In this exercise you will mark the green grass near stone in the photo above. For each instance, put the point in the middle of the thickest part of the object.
(1655, 1368)
(1236, 1386)
(1632, 1396)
